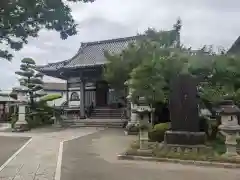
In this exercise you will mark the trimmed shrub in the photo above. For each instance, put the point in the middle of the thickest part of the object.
(162, 126)
(157, 133)
(50, 97)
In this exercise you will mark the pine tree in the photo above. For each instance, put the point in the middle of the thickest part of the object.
(31, 80)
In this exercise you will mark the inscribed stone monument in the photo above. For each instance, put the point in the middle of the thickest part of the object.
(185, 129)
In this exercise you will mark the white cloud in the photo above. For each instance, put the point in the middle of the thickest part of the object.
(204, 22)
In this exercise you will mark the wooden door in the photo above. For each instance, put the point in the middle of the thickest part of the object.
(101, 94)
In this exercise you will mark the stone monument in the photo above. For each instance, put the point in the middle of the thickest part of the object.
(229, 126)
(183, 105)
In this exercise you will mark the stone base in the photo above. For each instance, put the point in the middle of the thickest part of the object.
(231, 150)
(57, 125)
(82, 117)
(184, 138)
(231, 155)
(186, 149)
(130, 133)
(21, 128)
(132, 129)
(145, 151)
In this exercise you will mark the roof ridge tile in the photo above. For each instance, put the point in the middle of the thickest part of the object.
(113, 40)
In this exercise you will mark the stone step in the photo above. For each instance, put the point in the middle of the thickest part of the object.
(104, 117)
(95, 124)
(107, 115)
(114, 113)
(108, 110)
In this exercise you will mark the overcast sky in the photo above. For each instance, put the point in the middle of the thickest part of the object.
(211, 22)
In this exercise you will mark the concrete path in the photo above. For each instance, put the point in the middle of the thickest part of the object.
(38, 160)
(96, 160)
(9, 146)
(5, 127)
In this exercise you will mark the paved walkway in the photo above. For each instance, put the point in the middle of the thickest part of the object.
(37, 161)
(9, 146)
(93, 157)
(96, 160)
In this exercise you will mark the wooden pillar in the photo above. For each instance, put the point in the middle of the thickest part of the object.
(82, 99)
(67, 98)
(4, 111)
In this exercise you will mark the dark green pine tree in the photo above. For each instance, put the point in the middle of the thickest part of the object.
(31, 80)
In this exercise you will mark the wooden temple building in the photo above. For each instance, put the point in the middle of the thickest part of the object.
(84, 72)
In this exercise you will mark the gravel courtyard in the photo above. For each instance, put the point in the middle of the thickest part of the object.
(93, 157)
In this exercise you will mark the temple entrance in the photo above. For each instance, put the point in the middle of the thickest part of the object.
(101, 94)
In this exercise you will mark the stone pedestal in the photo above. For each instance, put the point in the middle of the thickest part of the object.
(132, 126)
(134, 119)
(21, 124)
(231, 133)
(56, 123)
(231, 145)
(186, 149)
(184, 138)
(143, 139)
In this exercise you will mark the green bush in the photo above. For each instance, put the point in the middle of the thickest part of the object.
(162, 127)
(157, 133)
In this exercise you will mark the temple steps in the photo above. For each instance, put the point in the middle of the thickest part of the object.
(109, 123)
(107, 113)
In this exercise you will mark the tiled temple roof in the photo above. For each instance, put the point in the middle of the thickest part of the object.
(235, 48)
(53, 66)
(92, 53)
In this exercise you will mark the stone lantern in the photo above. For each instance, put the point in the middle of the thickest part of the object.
(229, 126)
(142, 112)
(21, 124)
(133, 123)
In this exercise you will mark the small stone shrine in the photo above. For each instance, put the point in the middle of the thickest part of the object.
(185, 129)
(229, 126)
